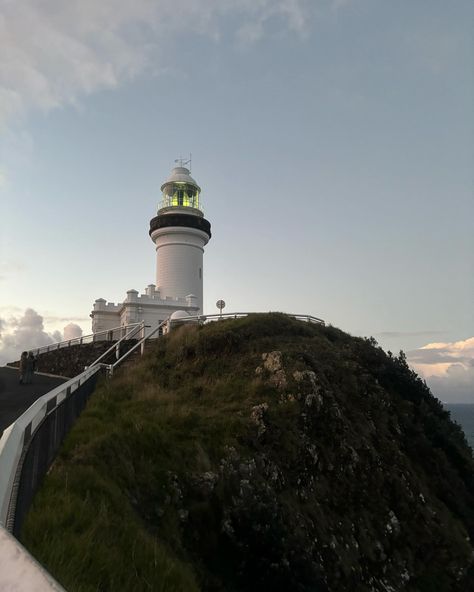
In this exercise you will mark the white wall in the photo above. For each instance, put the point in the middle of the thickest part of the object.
(179, 262)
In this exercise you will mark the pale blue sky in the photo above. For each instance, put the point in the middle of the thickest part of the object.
(333, 141)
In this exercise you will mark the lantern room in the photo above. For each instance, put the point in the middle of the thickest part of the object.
(180, 191)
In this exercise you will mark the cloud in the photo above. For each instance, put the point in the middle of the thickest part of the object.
(437, 356)
(55, 319)
(19, 333)
(397, 334)
(434, 48)
(52, 53)
(11, 266)
(338, 4)
(71, 331)
(3, 177)
(448, 368)
(10, 310)
(456, 385)
(22, 333)
(250, 33)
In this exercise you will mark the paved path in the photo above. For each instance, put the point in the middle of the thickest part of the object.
(16, 398)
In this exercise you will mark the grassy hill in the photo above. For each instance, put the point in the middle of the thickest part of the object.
(261, 453)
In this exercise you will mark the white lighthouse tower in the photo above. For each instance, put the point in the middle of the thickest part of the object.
(180, 233)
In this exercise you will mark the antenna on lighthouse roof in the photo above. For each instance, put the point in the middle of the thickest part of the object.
(183, 162)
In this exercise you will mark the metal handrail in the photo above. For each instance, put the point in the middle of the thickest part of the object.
(199, 319)
(20, 570)
(235, 315)
(80, 340)
(116, 345)
(16, 439)
(140, 344)
(15, 436)
(18, 433)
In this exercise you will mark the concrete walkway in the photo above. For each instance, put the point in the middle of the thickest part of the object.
(16, 398)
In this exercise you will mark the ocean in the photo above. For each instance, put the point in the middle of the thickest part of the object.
(464, 416)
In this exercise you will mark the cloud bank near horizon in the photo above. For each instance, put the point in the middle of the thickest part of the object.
(20, 333)
(448, 368)
(53, 53)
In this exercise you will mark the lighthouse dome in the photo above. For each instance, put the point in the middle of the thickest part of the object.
(180, 174)
(179, 315)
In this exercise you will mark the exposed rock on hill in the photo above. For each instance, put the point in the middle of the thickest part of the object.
(260, 454)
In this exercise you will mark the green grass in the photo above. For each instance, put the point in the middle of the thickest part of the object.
(111, 478)
(126, 505)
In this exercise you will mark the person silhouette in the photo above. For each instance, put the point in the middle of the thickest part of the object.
(22, 367)
(30, 368)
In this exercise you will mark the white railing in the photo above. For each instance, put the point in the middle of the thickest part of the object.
(120, 333)
(105, 335)
(140, 328)
(140, 344)
(13, 438)
(237, 315)
(17, 435)
(166, 325)
(20, 571)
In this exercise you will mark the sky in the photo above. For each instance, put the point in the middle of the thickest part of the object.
(332, 140)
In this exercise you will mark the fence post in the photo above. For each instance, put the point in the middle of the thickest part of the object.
(142, 336)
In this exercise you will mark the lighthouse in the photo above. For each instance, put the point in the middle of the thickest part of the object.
(180, 232)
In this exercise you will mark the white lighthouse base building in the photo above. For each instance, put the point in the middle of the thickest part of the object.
(180, 232)
(148, 307)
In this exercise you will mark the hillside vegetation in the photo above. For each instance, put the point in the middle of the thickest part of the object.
(261, 453)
